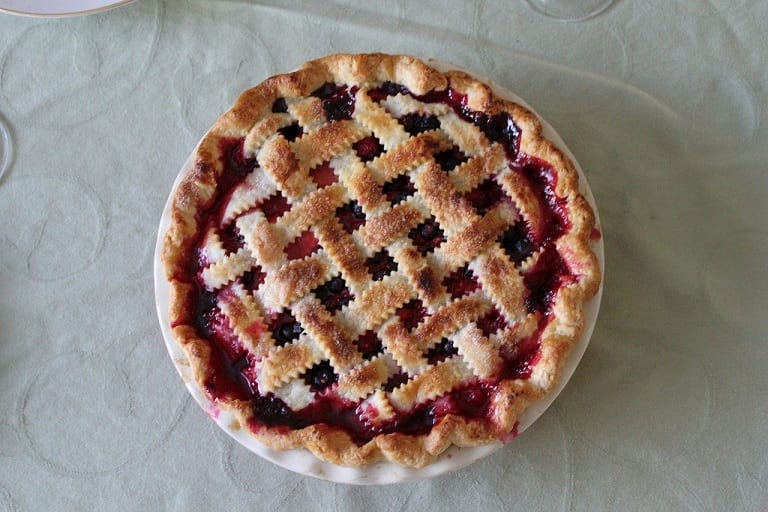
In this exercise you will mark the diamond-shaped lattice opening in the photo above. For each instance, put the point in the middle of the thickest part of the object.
(427, 236)
(517, 243)
(231, 239)
(491, 322)
(351, 216)
(411, 313)
(485, 196)
(450, 159)
(396, 380)
(320, 376)
(368, 148)
(369, 345)
(415, 122)
(461, 282)
(291, 132)
(380, 265)
(275, 206)
(323, 175)
(399, 189)
(279, 106)
(252, 279)
(441, 351)
(302, 246)
(334, 294)
(338, 100)
(284, 328)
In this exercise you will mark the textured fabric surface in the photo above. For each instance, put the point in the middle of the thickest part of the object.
(663, 105)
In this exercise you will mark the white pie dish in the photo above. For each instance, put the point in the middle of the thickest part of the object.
(57, 8)
(302, 461)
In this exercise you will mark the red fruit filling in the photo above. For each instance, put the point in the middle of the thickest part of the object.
(320, 376)
(323, 175)
(369, 344)
(441, 351)
(427, 236)
(450, 159)
(398, 190)
(334, 294)
(304, 245)
(485, 196)
(416, 123)
(491, 322)
(338, 101)
(380, 265)
(284, 328)
(351, 216)
(461, 282)
(516, 243)
(291, 132)
(252, 279)
(411, 314)
(274, 207)
(368, 148)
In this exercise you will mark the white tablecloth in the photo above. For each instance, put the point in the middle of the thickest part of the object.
(663, 104)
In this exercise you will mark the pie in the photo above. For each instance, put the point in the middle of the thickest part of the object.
(375, 260)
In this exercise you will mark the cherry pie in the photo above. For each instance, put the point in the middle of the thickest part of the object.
(373, 259)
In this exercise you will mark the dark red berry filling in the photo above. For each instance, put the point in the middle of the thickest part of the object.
(416, 123)
(543, 181)
(320, 376)
(284, 328)
(544, 279)
(252, 279)
(338, 101)
(231, 239)
(368, 148)
(387, 89)
(411, 314)
(304, 245)
(460, 282)
(291, 132)
(491, 322)
(399, 189)
(279, 106)
(517, 243)
(441, 351)
(369, 344)
(275, 206)
(323, 175)
(334, 294)
(450, 159)
(427, 236)
(351, 216)
(396, 380)
(485, 196)
(237, 165)
(380, 265)
(271, 411)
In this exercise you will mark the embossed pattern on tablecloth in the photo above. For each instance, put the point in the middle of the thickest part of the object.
(664, 107)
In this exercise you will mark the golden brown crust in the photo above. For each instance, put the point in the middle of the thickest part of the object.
(471, 240)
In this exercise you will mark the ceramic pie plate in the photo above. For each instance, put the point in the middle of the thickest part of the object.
(302, 461)
(58, 8)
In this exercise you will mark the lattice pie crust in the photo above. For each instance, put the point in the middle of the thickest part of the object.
(374, 260)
